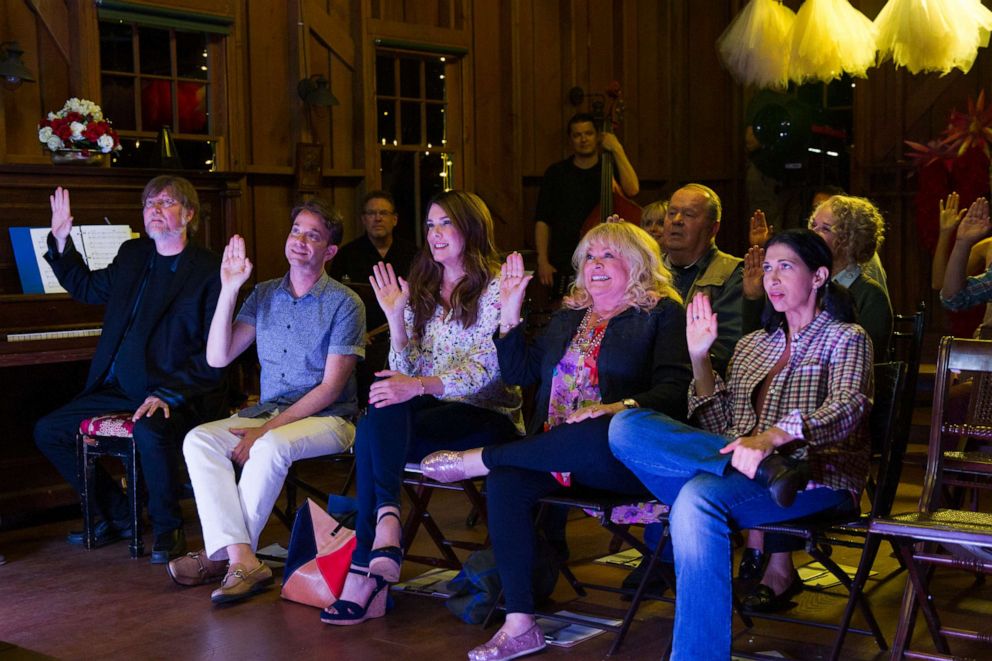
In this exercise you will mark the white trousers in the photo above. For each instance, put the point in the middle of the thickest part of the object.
(235, 512)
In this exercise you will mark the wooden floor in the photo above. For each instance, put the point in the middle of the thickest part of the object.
(61, 601)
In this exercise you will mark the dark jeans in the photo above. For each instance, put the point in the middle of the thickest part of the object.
(387, 438)
(158, 440)
(520, 476)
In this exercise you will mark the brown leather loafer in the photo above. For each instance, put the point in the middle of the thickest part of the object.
(196, 569)
(239, 583)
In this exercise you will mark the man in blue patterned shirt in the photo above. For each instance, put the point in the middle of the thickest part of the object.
(309, 330)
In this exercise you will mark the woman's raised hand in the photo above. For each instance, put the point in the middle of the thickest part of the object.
(700, 326)
(390, 290)
(754, 273)
(61, 215)
(513, 282)
(759, 231)
(975, 225)
(949, 214)
(235, 267)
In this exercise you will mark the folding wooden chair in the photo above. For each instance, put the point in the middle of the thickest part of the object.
(420, 491)
(616, 513)
(821, 534)
(926, 539)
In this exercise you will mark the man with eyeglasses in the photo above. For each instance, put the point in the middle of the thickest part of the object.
(160, 293)
(355, 260)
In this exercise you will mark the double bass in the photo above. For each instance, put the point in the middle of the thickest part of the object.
(611, 200)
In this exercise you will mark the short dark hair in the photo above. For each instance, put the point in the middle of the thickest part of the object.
(379, 195)
(814, 253)
(179, 188)
(580, 117)
(331, 217)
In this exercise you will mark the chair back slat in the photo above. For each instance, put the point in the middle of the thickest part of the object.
(890, 447)
(955, 356)
(907, 346)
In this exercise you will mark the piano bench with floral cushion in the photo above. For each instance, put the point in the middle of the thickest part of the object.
(110, 435)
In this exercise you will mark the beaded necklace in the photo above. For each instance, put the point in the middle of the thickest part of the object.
(595, 337)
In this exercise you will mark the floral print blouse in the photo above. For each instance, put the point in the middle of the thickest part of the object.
(575, 383)
(463, 358)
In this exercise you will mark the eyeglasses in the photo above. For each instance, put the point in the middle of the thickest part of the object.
(164, 203)
(378, 214)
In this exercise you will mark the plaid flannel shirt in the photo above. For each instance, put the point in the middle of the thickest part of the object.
(821, 396)
(977, 290)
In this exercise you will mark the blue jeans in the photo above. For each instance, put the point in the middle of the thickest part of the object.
(389, 437)
(682, 466)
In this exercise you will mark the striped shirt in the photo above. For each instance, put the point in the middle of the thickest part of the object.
(822, 396)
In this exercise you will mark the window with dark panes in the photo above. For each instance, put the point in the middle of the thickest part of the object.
(155, 76)
(416, 159)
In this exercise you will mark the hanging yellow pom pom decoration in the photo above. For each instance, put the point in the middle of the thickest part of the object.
(830, 38)
(755, 45)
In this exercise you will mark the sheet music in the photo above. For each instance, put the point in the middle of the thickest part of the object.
(101, 243)
(39, 242)
(97, 244)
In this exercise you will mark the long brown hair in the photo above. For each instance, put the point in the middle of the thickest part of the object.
(480, 261)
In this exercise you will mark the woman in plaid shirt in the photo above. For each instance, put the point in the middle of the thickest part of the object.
(803, 380)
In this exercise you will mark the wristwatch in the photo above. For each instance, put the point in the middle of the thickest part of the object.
(629, 403)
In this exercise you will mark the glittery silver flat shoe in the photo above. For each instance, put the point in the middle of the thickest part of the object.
(501, 647)
(445, 466)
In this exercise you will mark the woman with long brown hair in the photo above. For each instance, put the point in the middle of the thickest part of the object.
(443, 387)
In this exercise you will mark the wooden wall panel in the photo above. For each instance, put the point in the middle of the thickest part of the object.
(543, 106)
(24, 107)
(274, 109)
(496, 144)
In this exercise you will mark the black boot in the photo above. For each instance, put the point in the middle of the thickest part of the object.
(783, 476)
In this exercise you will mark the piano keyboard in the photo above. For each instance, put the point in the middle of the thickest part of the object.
(54, 335)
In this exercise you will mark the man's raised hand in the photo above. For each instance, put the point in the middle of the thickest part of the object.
(235, 267)
(61, 216)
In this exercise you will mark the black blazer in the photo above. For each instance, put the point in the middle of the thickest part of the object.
(175, 322)
(643, 356)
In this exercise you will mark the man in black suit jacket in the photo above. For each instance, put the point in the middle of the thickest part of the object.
(160, 294)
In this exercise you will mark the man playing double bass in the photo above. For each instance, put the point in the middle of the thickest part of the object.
(570, 190)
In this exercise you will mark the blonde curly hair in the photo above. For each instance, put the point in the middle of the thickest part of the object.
(649, 282)
(858, 226)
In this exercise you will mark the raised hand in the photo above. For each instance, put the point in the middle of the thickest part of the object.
(949, 214)
(754, 273)
(61, 216)
(513, 282)
(235, 267)
(390, 290)
(759, 231)
(975, 225)
(700, 326)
